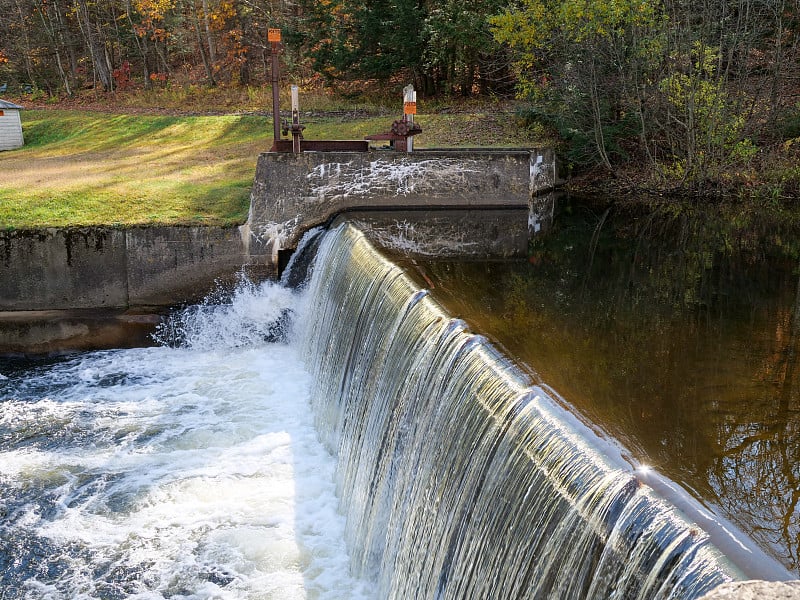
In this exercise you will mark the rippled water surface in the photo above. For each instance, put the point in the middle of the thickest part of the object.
(194, 469)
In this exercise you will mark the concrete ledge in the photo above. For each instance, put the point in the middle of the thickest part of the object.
(54, 331)
(294, 192)
(756, 590)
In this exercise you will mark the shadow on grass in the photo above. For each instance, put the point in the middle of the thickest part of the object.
(86, 132)
(90, 168)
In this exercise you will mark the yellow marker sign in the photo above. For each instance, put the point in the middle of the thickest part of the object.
(409, 108)
(273, 35)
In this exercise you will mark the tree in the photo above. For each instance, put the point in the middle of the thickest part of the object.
(93, 31)
(584, 62)
(676, 82)
(445, 46)
(460, 51)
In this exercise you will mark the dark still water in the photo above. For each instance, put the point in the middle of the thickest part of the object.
(677, 332)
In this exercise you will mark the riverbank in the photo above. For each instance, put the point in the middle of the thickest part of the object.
(173, 159)
(770, 178)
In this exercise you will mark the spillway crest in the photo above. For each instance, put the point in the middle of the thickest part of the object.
(458, 478)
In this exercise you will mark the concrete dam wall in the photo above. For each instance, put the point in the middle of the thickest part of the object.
(87, 268)
(294, 192)
(67, 284)
(83, 288)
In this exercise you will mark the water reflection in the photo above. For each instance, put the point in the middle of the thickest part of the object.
(677, 331)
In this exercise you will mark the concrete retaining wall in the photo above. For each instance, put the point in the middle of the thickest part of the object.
(294, 192)
(61, 269)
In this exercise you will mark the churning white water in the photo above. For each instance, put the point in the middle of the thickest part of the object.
(172, 472)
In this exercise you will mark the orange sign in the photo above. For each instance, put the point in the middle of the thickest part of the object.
(273, 35)
(409, 108)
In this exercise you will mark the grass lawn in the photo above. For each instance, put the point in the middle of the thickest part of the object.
(88, 168)
(92, 168)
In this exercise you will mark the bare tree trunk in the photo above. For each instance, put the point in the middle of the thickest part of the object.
(141, 44)
(63, 74)
(68, 39)
(27, 57)
(777, 62)
(599, 136)
(63, 39)
(162, 55)
(212, 49)
(50, 24)
(200, 47)
(245, 23)
(96, 47)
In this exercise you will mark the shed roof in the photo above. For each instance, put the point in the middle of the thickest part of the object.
(7, 105)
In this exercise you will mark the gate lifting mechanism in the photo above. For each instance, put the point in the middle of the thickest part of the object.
(399, 136)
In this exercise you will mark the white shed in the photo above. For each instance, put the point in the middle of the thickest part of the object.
(10, 126)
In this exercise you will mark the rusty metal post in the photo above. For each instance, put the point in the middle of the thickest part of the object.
(274, 38)
(296, 129)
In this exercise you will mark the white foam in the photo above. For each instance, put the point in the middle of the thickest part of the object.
(190, 472)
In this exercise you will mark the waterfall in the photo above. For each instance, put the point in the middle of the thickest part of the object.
(457, 477)
(412, 461)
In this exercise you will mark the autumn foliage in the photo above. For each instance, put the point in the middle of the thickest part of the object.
(691, 92)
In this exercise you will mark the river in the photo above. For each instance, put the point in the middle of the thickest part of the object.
(353, 440)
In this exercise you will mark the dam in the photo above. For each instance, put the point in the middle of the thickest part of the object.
(375, 449)
(344, 439)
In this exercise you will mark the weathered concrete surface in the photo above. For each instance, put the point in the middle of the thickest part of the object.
(117, 269)
(165, 264)
(62, 269)
(102, 273)
(446, 234)
(294, 192)
(756, 590)
(46, 332)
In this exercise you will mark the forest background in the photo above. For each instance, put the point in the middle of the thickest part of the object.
(664, 95)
